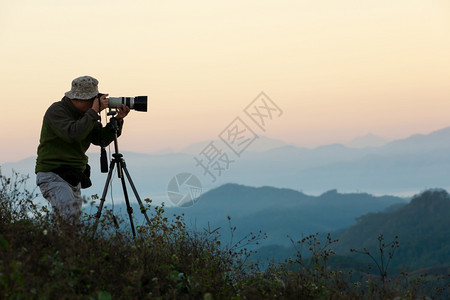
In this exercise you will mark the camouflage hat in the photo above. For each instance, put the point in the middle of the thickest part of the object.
(83, 88)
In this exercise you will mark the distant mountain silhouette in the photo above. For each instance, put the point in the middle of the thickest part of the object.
(402, 167)
(262, 144)
(420, 143)
(368, 140)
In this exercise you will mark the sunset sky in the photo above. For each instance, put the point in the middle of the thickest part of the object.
(337, 69)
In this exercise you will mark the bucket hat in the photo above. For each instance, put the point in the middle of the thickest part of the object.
(83, 88)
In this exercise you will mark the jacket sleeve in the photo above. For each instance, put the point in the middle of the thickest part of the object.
(66, 127)
(103, 136)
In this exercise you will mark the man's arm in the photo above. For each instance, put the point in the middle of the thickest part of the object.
(66, 127)
(103, 136)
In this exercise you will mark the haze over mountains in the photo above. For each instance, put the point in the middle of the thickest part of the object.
(400, 167)
(368, 140)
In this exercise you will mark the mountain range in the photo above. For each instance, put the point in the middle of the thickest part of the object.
(357, 220)
(278, 213)
(402, 167)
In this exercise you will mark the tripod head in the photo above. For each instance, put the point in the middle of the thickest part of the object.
(115, 126)
(111, 112)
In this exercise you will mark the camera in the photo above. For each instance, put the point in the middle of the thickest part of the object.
(138, 103)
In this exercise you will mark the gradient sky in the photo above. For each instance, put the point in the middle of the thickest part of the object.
(337, 69)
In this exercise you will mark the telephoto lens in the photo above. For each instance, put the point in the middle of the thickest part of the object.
(138, 103)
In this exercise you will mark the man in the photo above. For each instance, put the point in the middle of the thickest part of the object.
(68, 129)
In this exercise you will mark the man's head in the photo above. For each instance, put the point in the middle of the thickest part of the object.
(84, 91)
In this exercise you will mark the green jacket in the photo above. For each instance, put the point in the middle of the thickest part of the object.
(66, 135)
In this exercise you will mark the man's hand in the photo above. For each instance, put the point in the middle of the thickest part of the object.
(103, 101)
(122, 112)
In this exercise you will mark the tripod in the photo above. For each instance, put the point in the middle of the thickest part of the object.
(121, 169)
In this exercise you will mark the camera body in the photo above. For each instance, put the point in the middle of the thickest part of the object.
(138, 103)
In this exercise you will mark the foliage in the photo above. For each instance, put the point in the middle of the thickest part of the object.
(382, 263)
(422, 227)
(44, 257)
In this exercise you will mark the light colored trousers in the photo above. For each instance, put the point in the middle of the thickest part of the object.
(65, 198)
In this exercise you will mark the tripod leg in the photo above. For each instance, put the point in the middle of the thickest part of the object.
(121, 164)
(141, 205)
(102, 199)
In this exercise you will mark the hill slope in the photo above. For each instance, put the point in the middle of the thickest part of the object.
(423, 228)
